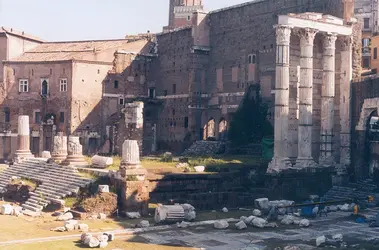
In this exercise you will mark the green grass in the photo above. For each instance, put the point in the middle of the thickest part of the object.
(70, 201)
(27, 182)
(87, 175)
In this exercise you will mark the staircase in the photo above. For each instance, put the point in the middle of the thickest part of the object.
(56, 182)
(358, 190)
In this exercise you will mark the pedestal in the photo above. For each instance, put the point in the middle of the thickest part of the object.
(23, 140)
(75, 156)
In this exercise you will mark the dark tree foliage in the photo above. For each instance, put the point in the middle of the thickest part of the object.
(249, 123)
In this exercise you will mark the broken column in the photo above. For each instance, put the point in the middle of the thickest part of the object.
(327, 101)
(304, 158)
(74, 152)
(23, 139)
(59, 147)
(133, 113)
(132, 180)
(280, 160)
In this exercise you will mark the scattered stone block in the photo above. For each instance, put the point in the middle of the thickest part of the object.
(101, 216)
(221, 224)
(287, 220)
(110, 236)
(291, 248)
(101, 161)
(103, 244)
(183, 224)
(257, 212)
(199, 169)
(262, 204)
(282, 211)
(243, 218)
(103, 189)
(249, 219)
(103, 237)
(320, 241)
(93, 242)
(225, 210)
(83, 227)
(296, 222)
(66, 216)
(338, 237)
(241, 225)
(333, 208)
(182, 165)
(345, 208)
(190, 216)
(6, 209)
(55, 214)
(304, 223)
(46, 154)
(271, 225)
(66, 209)
(259, 222)
(69, 227)
(144, 224)
(173, 213)
(133, 215)
(58, 229)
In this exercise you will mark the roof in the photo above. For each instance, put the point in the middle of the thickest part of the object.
(22, 34)
(100, 50)
(236, 6)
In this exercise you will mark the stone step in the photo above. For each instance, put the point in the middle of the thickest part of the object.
(44, 195)
(38, 200)
(50, 171)
(32, 208)
(72, 189)
(60, 192)
(32, 204)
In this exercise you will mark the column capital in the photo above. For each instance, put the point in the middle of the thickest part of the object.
(346, 42)
(306, 35)
(283, 34)
(329, 40)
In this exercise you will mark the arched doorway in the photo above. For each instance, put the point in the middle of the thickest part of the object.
(222, 129)
(44, 88)
(209, 130)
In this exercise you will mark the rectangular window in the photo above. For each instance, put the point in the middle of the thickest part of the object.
(165, 93)
(174, 89)
(366, 23)
(375, 53)
(151, 93)
(7, 114)
(186, 122)
(63, 85)
(61, 117)
(121, 101)
(115, 84)
(37, 117)
(252, 58)
(23, 85)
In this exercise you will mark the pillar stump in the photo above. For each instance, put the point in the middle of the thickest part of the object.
(74, 152)
(59, 148)
(131, 181)
(23, 139)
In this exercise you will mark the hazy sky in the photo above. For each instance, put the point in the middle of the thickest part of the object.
(54, 20)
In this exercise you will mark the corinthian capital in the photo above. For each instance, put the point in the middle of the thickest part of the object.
(329, 40)
(307, 36)
(283, 34)
(346, 42)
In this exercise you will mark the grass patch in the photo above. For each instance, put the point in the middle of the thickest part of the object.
(70, 201)
(26, 182)
(87, 175)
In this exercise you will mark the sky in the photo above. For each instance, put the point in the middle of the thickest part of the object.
(69, 20)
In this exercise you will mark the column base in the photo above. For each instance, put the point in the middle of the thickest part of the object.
(327, 161)
(279, 164)
(305, 163)
(21, 155)
(75, 160)
(58, 158)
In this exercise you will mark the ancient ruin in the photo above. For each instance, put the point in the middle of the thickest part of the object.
(307, 131)
(59, 147)
(74, 152)
(23, 139)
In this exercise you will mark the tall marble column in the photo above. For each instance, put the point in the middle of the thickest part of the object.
(23, 139)
(280, 160)
(304, 157)
(345, 102)
(327, 101)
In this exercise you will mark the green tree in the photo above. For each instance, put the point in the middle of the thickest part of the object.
(249, 124)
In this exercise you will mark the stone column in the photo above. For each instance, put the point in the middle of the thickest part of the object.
(59, 147)
(280, 160)
(133, 130)
(23, 139)
(130, 163)
(345, 102)
(327, 101)
(304, 157)
(74, 152)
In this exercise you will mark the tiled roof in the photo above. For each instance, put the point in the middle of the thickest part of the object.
(19, 33)
(101, 51)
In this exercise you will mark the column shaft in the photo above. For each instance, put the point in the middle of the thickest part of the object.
(280, 160)
(306, 98)
(327, 101)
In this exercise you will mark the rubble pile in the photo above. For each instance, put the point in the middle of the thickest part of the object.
(100, 241)
(204, 148)
(8, 209)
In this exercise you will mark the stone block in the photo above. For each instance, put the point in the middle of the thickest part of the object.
(101, 161)
(221, 224)
(6, 209)
(103, 189)
(46, 154)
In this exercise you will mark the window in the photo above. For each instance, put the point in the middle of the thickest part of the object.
(23, 85)
(366, 23)
(375, 53)
(7, 114)
(252, 59)
(151, 93)
(173, 111)
(37, 117)
(366, 63)
(186, 122)
(51, 71)
(61, 117)
(188, 18)
(44, 87)
(63, 85)
(121, 101)
(174, 89)
(115, 84)
(165, 93)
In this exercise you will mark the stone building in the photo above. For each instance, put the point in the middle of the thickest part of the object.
(59, 85)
